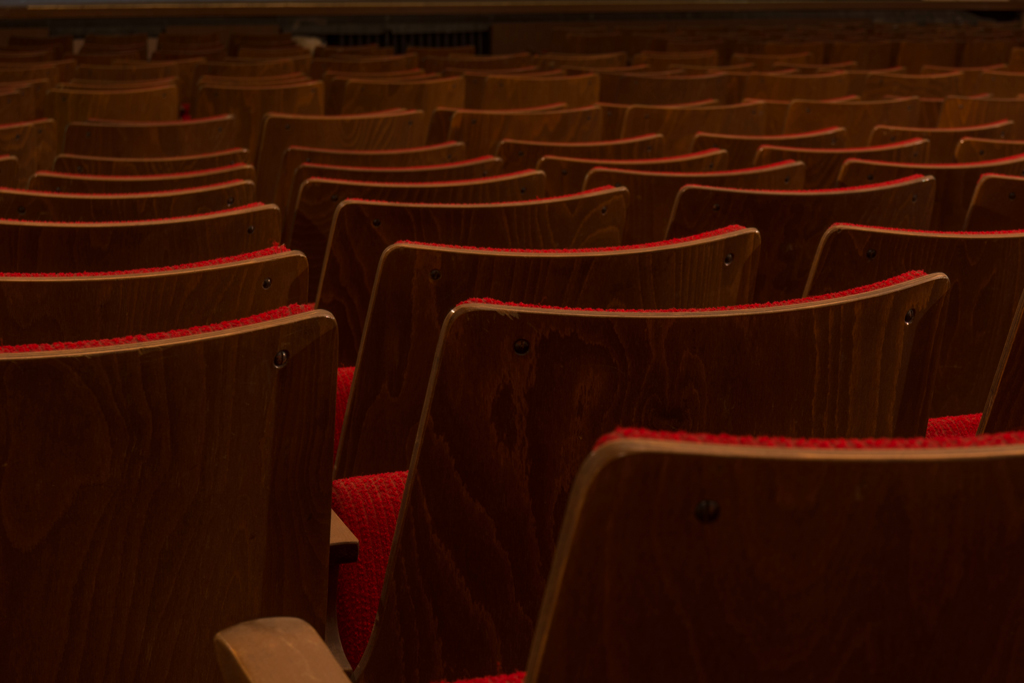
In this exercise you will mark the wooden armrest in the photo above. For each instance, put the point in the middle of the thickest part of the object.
(273, 650)
(344, 544)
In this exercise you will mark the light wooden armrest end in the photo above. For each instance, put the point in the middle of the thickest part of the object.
(273, 650)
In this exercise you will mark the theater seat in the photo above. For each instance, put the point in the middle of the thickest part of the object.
(954, 426)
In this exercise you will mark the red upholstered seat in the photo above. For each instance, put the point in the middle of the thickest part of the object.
(369, 507)
(954, 426)
(341, 402)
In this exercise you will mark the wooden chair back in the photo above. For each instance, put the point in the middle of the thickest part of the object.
(130, 166)
(974, 111)
(944, 141)
(362, 95)
(971, 149)
(483, 131)
(567, 174)
(655, 88)
(512, 92)
(33, 143)
(858, 117)
(880, 85)
(783, 86)
(792, 223)
(159, 103)
(151, 139)
(823, 164)
(994, 204)
(520, 154)
(78, 183)
(743, 148)
(914, 54)
(680, 124)
(1001, 83)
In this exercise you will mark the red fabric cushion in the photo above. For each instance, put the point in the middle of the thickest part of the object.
(369, 508)
(500, 678)
(954, 426)
(341, 402)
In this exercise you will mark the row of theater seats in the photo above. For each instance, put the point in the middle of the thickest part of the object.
(216, 317)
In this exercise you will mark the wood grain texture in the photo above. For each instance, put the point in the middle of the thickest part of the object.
(857, 117)
(441, 121)
(823, 164)
(1004, 409)
(913, 54)
(483, 131)
(33, 246)
(397, 129)
(994, 204)
(792, 223)
(68, 105)
(193, 465)
(970, 149)
(664, 61)
(944, 141)
(87, 84)
(361, 231)
(782, 86)
(494, 463)
(362, 63)
(761, 61)
(274, 649)
(880, 85)
(550, 60)
(368, 95)
(954, 182)
(9, 171)
(565, 174)
(147, 139)
(654, 88)
(1001, 83)
(93, 165)
(859, 76)
(319, 198)
(249, 104)
(680, 124)
(335, 81)
(804, 575)
(512, 92)
(653, 194)
(743, 148)
(974, 111)
(30, 205)
(79, 183)
(38, 310)
(408, 307)
(297, 155)
(138, 71)
(986, 280)
(520, 154)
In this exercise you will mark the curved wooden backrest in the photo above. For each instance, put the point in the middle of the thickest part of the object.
(970, 149)
(549, 60)
(1001, 83)
(782, 86)
(509, 92)
(151, 139)
(823, 164)
(654, 88)
(35, 246)
(944, 141)
(986, 280)
(441, 122)
(395, 129)
(858, 117)
(653, 194)
(108, 166)
(45, 308)
(371, 95)
(765, 61)
(417, 284)
(77, 183)
(974, 111)
(483, 130)
(994, 205)
(954, 182)
(914, 54)
(564, 175)
(680, 124)
(520, 154)
(664, 61)
(362, 63)
(362, 230)
(807, 568)
(518, 394)
(743, 148)
(34, 143)
(158, 103)
(466, 169)
(30, 205)
(792, 223)
(880, 85)
(141, 71)
(250, 103)
(319, 198)
(150, 467)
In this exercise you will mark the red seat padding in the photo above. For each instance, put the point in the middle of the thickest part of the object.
(341, 401)
(954, 425)
(517, 677)
(369, 508)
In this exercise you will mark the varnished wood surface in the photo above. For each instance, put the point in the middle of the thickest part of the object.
(973, 111)
(565, 174)
(483, 131)
(653, 194)
(511, 92)
(8, 170)
(994, 204)
(397, 129)
(970, 149)
(51, 206)
(319, 198)
(660, 60)
(43, 247)
(782, 86)
(986, 280)
(680, 124)
(274, 649)
(954, 182)
(654, 88)
(1001, 83)
(139, 71)
(823, 164)
(504, 433)
(743, 148)
(1004, 409)
(792, 223)
(366, 95)
(409, 305)
(37, 310)
(944, 141)
(441, 122)
(880, 85)
(34, 143)
(78, 183)
(250, 103)
(159, 103)
(93, 165)
(207, 489)
(164, 139)
(781, 583)
(520, 154)
(550, 60)
(857, 117)
(361, 231)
